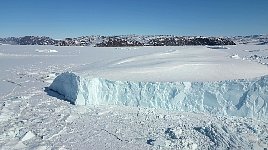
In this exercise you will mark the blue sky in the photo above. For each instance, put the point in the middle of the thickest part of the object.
(72, 18)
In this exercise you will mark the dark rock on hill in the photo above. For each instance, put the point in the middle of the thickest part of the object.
(119, 41)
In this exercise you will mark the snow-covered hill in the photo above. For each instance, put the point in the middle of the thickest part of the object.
(253, 39)
(136, 40)
(119, 41)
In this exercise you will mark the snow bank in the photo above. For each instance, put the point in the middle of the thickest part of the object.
(46, 50)
(235, 56)
(245, 98)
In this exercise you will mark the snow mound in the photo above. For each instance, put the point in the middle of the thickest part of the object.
(46, 50)
(235, 56)
(243, 97)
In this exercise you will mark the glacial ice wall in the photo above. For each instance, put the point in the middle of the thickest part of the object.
(245, 98)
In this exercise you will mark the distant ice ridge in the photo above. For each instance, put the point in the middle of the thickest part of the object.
(245, 98)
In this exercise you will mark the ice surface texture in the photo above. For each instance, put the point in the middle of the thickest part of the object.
(245, 98)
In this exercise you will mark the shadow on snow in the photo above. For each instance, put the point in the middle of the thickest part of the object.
(55, 94)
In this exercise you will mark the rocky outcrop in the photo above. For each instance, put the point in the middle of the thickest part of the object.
(118, 41)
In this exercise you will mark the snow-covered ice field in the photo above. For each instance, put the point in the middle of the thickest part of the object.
(37, 115)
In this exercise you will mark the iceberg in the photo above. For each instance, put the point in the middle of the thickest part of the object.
(240, 97)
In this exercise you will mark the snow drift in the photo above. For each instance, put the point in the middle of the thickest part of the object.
(243, 97)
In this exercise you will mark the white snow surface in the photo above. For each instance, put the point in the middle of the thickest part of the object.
(34, 117)
(168, 64)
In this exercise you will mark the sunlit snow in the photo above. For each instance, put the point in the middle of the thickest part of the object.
(188, 97)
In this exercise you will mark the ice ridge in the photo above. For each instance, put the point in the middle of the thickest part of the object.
(243, 97)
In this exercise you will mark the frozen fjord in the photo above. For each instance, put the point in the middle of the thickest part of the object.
(31, 119)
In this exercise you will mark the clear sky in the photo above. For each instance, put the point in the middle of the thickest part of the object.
(72, 18)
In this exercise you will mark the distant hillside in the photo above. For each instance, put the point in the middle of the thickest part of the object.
(119, 41)
(252, 39)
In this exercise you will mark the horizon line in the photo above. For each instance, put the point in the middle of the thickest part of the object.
(132, 35)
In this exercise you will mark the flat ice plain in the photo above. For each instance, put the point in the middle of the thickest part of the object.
(223, 86)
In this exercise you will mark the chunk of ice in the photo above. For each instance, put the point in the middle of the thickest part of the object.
(245, 98)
